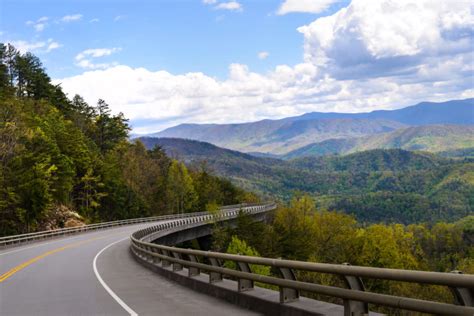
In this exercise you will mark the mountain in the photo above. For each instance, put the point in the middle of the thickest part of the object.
(245, 170)
(285, 135)
(432, 138)
(395, 185)
(278, 137)
(459, 112)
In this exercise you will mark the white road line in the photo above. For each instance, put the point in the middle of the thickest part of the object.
(106, 287)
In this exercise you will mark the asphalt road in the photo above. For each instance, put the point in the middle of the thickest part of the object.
(93, 274)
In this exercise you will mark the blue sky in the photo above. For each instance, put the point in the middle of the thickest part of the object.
(168, 62)
(179, 36)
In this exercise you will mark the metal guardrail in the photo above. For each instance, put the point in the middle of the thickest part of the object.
(22, 238)
(356, 299)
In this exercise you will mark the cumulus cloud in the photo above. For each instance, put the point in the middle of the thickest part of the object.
(374, 38)
(263, 55)
(84, 58)
(369, 55)
(304, 6)
(71, 18)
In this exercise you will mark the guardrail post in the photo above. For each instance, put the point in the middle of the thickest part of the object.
(155, 260)
(352, 308)
(462, 295)
(192, 271)
(244, 284)
(286, 294)
(165, 263)
(214, 276)
(150, 257)
(177, 266)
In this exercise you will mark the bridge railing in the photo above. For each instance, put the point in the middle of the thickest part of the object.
(22, 238)
(356, 299)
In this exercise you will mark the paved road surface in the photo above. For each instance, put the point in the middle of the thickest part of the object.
(58, 277)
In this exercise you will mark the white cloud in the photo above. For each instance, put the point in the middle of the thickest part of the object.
(119, 17)
(370, 55)
(35, 46)
(231, 6)
(71, 18)
(84, 58)
(25, 46)
(40, 24)
(386, 37)
(226, 5)
(304, 6)
(94, 20)
(97, 52)
(263, 55)
(39, 27)
(52, 46)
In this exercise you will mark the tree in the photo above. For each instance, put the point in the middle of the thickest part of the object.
(110, 130)
(180, 187)
(90, 193)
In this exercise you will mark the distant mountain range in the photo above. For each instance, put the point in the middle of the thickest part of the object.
(432, 138)
(425, 126)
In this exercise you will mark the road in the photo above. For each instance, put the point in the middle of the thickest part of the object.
(93, 273)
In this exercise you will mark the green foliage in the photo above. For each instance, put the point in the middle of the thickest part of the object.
(55, 151)
(240, 247)
(181, 191)
(304, 232)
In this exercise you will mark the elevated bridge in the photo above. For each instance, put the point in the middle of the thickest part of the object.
(132, 267)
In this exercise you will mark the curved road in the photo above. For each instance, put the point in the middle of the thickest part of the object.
(93, 273)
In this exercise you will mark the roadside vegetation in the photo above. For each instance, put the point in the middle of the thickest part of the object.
(301, 231)
(64, 162)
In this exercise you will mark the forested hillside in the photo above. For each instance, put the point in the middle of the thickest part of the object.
(64, 162)
(376, 186)
(432, 138)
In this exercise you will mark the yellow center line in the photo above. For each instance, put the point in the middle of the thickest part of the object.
(25, 264)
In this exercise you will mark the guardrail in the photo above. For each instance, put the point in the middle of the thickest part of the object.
(22, 238)
(356, 299)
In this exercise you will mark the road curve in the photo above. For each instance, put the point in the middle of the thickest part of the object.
(94, 273)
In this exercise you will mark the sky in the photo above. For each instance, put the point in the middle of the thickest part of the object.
(167, 62)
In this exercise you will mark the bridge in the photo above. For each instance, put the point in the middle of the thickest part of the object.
(133, 267)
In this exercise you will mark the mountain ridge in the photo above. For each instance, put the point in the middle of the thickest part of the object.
(288, 134)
